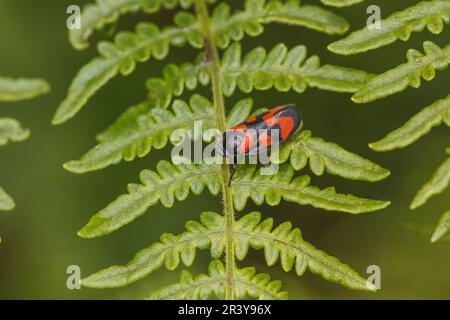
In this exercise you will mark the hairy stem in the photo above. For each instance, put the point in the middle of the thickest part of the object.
(212, 59)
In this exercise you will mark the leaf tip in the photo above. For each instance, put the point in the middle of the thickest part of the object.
(359, 98)
(385, 174)
(371, 287)
(435, 237)
(385, 204)
(58, 118)
(414, 204)
(73, 167)
(336, 47)
(377, 146)
(84, 234)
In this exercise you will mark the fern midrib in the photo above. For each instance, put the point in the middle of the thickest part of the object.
(266, 185)
(290, 72)
(212, 58)
(437, 116)
(434, 119)
(308, 148)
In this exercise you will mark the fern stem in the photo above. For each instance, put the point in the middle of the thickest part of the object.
(212, 59)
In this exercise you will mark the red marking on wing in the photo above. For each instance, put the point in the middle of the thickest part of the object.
(247, 143)
(252, 119)
(265, 140)
(286, 125)
(272, 112)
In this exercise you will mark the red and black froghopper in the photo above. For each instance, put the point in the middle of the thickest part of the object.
(257, 133)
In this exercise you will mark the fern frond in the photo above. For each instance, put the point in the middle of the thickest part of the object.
(168, 183)
(250, 183)
(442, 228)
(11, 131)
(247, 284)
(287, 245)
(22, 89)
(122, 57)
(431, 14)
(437, 184)
(341, 3)
(103, 12)
(417, 127)
(285, 69)
(150, 130)
(408, 74)
(227, 26)
(282, 243)
(130, 48)
(323, 155)
(6, 202)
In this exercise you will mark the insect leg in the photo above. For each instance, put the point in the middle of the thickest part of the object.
(233, 170)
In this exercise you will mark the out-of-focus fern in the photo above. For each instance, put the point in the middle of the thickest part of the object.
(437, 184)
(433, 15)
(21, 89)
(442, 228)
(10, 129)
(151, 123)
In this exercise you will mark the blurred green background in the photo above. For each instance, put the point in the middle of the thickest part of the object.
(39, 236)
